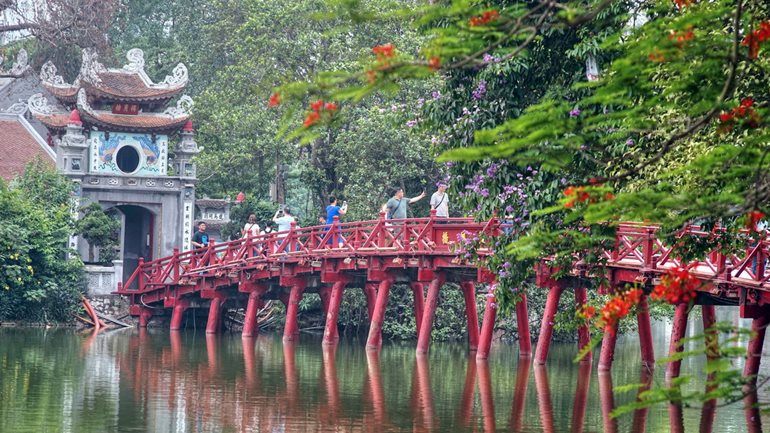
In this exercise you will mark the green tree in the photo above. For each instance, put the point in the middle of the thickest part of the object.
(99, 229)
(39, 282)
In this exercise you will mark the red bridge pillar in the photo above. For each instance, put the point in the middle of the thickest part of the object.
(487, 328)
(546, 326)
(418, 293)
(374, 341)
(645, 333)
(291, 328)
(522, 325)
(754, 354)
(584, 333)
(331, 335)
(370, 291)
(178, 313)
(469, 293)
(145, 314)
(214, 324)
(250, 321)
(677, 333)
(426, 324)
(607, 353)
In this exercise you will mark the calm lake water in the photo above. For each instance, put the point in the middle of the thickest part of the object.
(154, 381)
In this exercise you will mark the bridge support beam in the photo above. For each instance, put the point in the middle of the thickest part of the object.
(145, 314)
(584, 333)
(325, 293)
(607, 353)
(754, 353)
(374, 341)
(546, 326)
(522, 325)
(677, 333)
(331, 334)
(250, 321)
(487, 328)
(645, 333)
(214, 324)
(426, 324)
(469, 293)
(291, 328)
(178, 313)
(418, 293)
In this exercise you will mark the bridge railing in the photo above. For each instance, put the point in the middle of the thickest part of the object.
(360, 238)
(639, 246)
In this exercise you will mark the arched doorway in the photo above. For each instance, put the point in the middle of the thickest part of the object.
(137, 237)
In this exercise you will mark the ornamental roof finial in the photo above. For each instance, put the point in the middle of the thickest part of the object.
(188, 127)
(75, 118)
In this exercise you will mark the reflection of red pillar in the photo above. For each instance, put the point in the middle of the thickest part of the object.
(639, 425)
(469, 390)
(375, 386)
(418, 293)
(249, 364)
(645, 333)
(546, 326)
(487, 399)
(708, 411)
(677, 333)
(426, 324)
(374, 341)
(211, 353)
(607, 353)
(370, 291)
(176, 346)
(291, 329)
(330, 382)
(751, 410)
(290, 372)
(178, 313)
(581, 397)
(522, 326)
(544, 399)
(426, 394)
(607, 401)
(757, 340)
(331, 335)
(487, 328)
(584, 334)
(520, 395)
(214, 324)
(675, 418)
(250, 321)
(469, 293)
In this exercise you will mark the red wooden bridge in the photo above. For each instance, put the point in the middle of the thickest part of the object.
(373, 255)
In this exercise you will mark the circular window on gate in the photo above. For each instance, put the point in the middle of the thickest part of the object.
(127, 159)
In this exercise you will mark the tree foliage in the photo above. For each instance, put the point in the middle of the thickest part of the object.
(99, 229)
(39, 282)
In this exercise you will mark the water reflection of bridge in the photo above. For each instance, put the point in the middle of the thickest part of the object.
(285, 387)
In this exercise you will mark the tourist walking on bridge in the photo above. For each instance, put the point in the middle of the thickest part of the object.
(284, 222)
(333, 210)
(398, 204)
(251, 228)
(440, 201)
(200, 239)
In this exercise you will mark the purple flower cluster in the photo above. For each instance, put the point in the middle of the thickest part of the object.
(411, 123)
(480, 91)
(488, 58)
(575, 112)
(436, 95)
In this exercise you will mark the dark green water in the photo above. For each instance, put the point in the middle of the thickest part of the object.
(132, 381)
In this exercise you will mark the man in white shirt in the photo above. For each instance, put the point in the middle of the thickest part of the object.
(440, 201)
(284, 224)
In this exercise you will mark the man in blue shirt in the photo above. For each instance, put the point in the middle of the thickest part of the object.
(200, 239)
(333, 210)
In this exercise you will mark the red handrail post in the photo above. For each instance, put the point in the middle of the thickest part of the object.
(648, 248)
(381, 238)
(335, 231)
